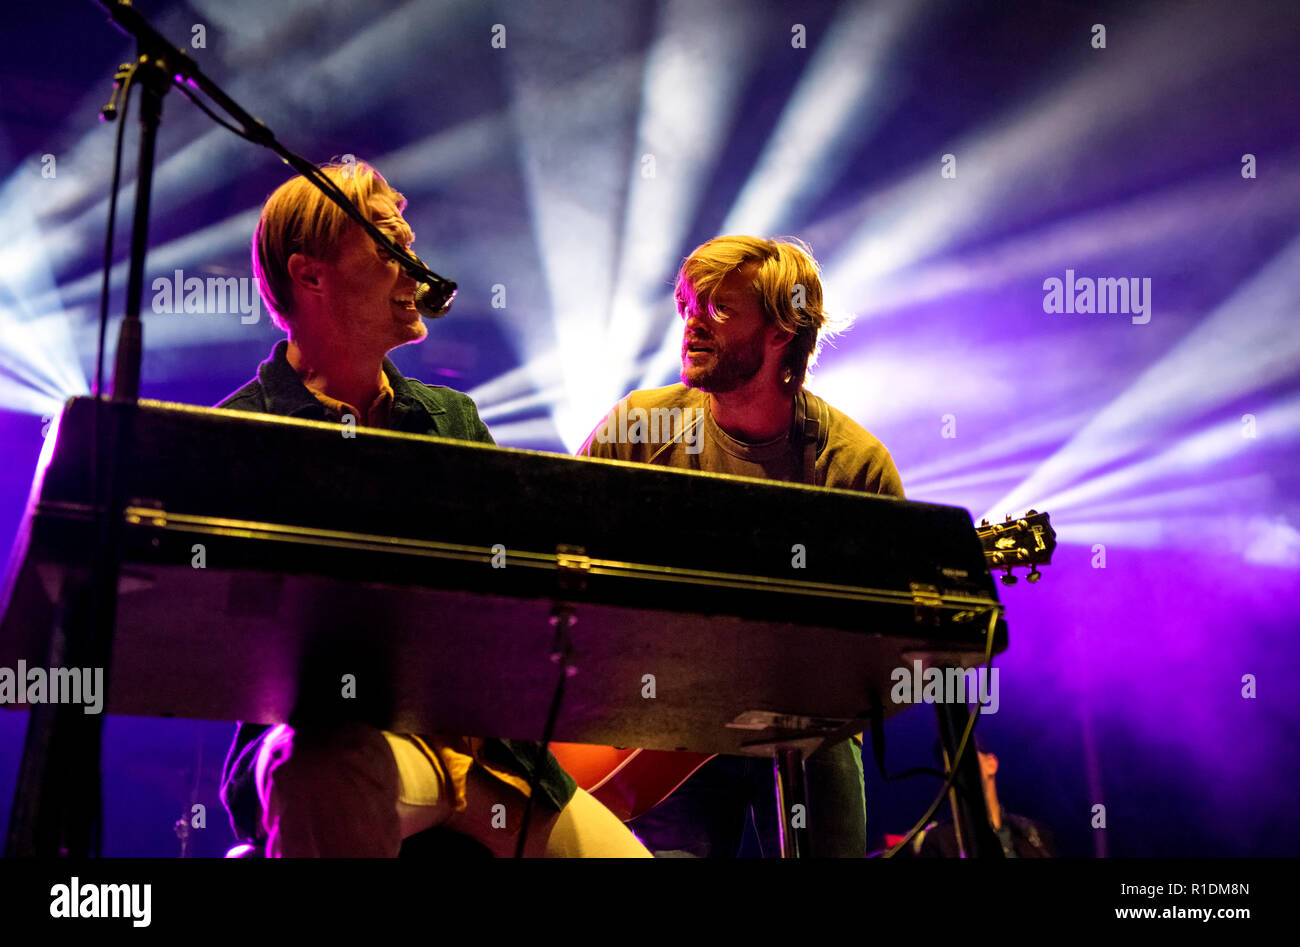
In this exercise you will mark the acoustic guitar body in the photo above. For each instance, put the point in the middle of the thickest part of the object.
(631, 781)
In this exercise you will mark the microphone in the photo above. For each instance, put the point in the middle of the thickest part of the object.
(433, 299)
(433, 302)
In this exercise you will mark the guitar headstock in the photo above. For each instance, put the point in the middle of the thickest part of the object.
(1027, 541)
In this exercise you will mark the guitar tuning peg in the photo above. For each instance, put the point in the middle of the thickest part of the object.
(1034, 575)
(1008, 517)
(984, 523)
(1009, 579)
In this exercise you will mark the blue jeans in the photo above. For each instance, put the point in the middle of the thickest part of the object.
(705, 817)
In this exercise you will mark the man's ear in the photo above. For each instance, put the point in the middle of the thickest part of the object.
(305, 272)
(778, 338)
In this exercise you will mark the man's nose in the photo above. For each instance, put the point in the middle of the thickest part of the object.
(697, 322)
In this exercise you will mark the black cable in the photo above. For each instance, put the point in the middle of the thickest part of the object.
(112, 223)
(189, 94)
(953, 766)
(98, 500)
(303, 167)
(127, 72)
(120, 114)
(189, 76)
(564, 620)
(264, 137)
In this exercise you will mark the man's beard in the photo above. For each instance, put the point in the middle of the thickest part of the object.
(730, 368)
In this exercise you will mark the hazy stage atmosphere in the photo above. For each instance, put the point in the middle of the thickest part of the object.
(1062, 239)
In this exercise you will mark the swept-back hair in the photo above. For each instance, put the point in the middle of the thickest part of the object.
(297, 218)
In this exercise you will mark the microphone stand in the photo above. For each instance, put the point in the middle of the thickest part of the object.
(187, 75)
(63, 745)
(57, 807)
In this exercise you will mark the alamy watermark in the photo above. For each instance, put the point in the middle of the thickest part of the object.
(654, 426)
(936, 685)
(75, 899)
(212, 295)
(24, 685)
(1105, 294)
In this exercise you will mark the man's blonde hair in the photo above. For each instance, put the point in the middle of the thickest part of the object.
(787, 281)
(298, 218)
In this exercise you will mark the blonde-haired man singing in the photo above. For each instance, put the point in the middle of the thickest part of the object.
(350, 789)
(753, 312)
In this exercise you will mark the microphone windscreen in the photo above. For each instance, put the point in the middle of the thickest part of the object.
(427, 302)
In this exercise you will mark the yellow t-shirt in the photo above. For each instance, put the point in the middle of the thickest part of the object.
(672, 427)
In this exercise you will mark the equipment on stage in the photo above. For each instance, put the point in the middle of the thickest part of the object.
(274, 569)
(224, 566)
(158, 66)
(630, 782)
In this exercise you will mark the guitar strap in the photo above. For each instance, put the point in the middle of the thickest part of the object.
(811, 431)
(812, 428)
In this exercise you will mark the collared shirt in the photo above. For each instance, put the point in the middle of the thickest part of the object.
(377, 415)
(417, 408)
